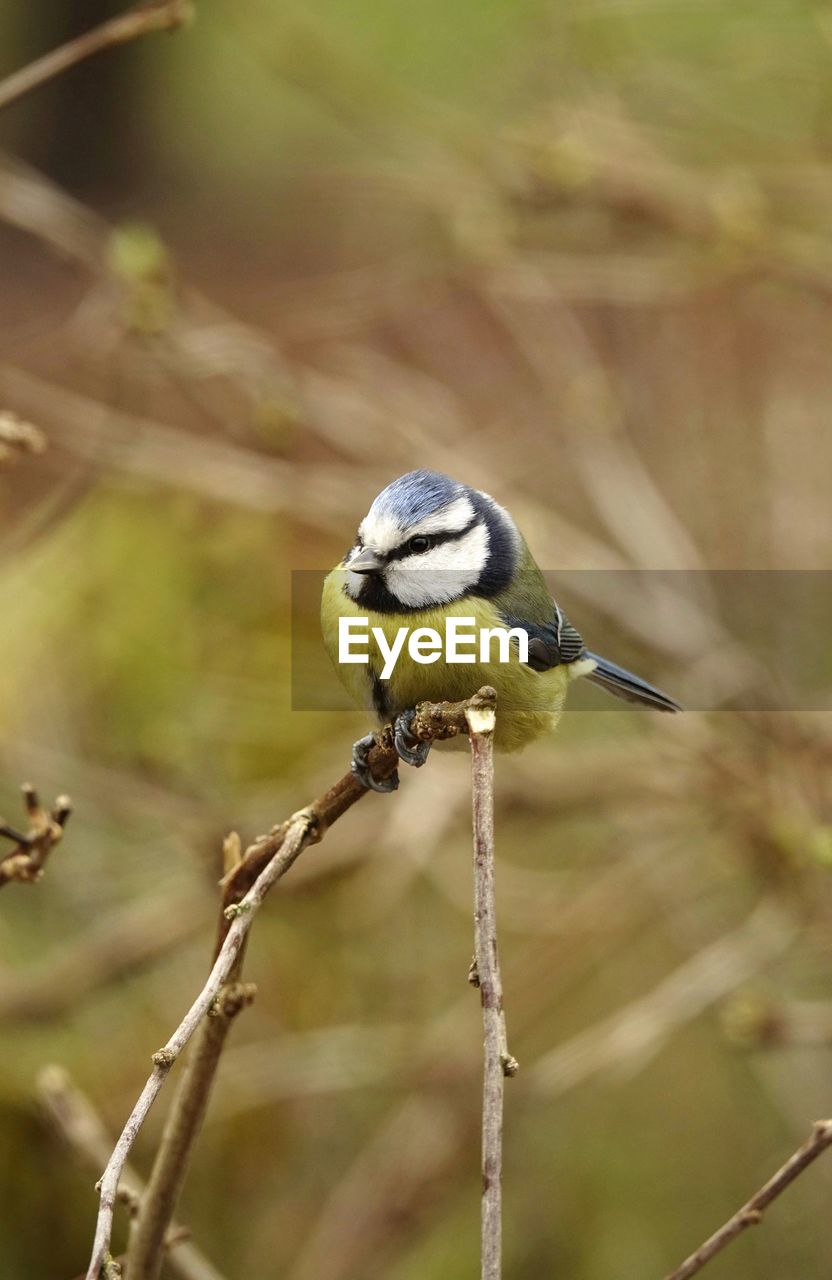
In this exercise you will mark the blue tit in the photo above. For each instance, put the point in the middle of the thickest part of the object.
(431, 550)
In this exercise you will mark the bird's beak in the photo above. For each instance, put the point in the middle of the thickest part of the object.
(366, 561)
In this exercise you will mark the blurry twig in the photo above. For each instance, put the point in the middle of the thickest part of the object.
(17, 437)
(245, 887)
(756, 1023)
(141, 20)
(112, 946)
(751, 1213)
(46, 827)
(75, 1118)
(485, 974)
(635, 1033)
(98, 433)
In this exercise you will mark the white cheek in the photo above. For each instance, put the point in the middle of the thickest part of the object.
(353, 582)
(442, 574)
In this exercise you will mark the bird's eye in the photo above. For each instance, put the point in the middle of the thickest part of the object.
(419, 544)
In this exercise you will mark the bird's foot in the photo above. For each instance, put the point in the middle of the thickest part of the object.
(408, 747)
(361, 767)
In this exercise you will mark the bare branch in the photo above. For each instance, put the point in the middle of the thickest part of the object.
(300, 831)
(433, 722)
(245, 887)
(46, 827)
(485, 973)
(751, 1213)
(141, 20)
(151, 1225)
(77, 1121)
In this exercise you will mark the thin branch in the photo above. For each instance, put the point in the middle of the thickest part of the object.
(751, 1213)
(151, 1225)
(433, 722)
(184, 1120)
(80, 1125)
(300, 831)
(485, 973)
(141, 20)
(245, 887)
(46, 827)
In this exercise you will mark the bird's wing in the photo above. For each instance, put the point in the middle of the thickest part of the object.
(552, 642)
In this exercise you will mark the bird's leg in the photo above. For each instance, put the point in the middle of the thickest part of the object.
(361, 766)
(408, 747)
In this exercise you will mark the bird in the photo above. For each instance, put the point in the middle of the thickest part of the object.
(430, 553)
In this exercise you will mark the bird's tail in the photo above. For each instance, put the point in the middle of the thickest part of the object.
(625, 685)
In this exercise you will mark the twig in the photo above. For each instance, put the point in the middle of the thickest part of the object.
(245, 887)
(751, 1213)
(300, 831)
(141, 20)
(632, 1035)
(77, 1121)
(433, 722)
(46, 827)
(113, 945)
(485, 973)
(18, 437)
(151, 1228)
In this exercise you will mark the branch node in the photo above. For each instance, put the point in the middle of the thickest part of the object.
(310, 819)
(232, 999)
(26, 861)
(235, 909)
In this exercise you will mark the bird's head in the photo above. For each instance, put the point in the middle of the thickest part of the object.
(427, 540)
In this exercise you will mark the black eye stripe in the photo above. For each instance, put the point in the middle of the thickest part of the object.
(435, 540)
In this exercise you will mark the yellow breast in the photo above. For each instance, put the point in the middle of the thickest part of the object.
(529, 702)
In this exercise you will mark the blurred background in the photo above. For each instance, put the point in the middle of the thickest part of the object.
(578, 256)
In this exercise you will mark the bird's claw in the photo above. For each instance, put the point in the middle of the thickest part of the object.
(408, 747)
(361, 767)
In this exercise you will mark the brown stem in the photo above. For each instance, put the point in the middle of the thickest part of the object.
(141, 20)
(146, 1249)
(26, 861)
(751, 1213)
(77, 1121)
(300, 833)
(485, 974)
(245, 887)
